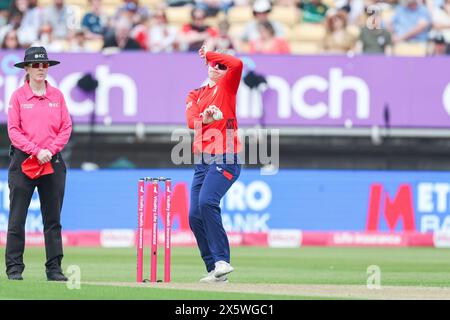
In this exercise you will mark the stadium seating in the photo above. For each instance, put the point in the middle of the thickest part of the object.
(109, 10)
(178, 15)
(329, 3)
(240, 15)
(236, 30)
(386, 15)
(94, 45)
(212, 21)
(152, 4)
(82, 3)
(309, 32)
(63, 44)
(111, 3)
(287, 32)
(309, 47)
(354, 30)
(304, 38)
(286, 15)
(413, 49)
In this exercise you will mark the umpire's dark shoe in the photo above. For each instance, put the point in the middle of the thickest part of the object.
(15, 276)
(56, 276)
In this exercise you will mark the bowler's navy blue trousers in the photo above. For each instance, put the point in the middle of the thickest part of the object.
(212, 179)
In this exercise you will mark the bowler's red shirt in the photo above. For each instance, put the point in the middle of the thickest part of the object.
(220, 136)
(36, 123)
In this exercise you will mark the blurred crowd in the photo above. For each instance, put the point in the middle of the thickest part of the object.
(417, 27)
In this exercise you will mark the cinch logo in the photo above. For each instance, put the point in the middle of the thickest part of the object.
(100, 104)
(399, 208)
(292, 99)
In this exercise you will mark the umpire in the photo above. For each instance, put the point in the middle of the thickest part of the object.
(39, 126)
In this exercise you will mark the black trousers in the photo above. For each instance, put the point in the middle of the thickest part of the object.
(51, 193)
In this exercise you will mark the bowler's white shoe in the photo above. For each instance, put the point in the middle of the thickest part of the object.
(222, 268)
(210, 278)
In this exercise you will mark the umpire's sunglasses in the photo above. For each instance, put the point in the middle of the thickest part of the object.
(219, 65)
(38, 65)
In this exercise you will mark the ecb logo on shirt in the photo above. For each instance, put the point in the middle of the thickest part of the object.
(53, 104)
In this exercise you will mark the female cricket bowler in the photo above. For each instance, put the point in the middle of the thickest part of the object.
(39, 126)
(211, 112)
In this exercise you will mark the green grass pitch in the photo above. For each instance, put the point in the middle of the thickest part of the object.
(428, 267)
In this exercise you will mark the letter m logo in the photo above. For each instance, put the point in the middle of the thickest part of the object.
(179, 207)
(393, 210)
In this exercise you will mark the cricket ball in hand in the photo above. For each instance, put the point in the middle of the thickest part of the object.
(218, 115)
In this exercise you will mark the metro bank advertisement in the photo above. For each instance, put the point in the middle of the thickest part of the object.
(307, 200)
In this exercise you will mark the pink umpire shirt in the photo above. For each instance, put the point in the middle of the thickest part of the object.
(36, 123)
